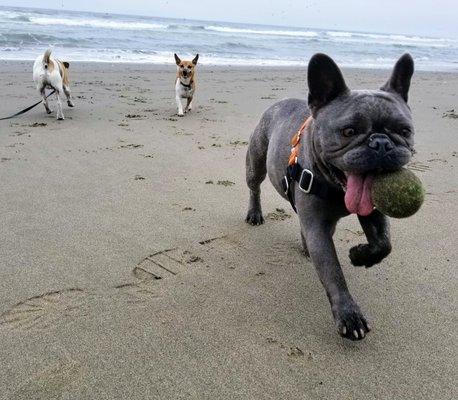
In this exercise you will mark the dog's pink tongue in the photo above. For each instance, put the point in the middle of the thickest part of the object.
(358, 198)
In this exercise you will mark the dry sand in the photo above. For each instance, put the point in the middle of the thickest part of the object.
(90, 206)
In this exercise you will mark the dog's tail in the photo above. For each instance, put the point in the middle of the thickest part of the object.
(46, 58)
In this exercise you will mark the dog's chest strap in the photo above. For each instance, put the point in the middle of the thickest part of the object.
(307, 181)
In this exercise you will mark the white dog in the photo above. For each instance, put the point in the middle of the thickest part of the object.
(49, 72)
(185, 83)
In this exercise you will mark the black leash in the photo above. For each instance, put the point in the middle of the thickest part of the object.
(27, 109)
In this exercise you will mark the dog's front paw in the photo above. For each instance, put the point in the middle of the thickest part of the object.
(60, 118)
(254, 217)
(350, 321)
(180, 114)
(368, 255)
(70, 103)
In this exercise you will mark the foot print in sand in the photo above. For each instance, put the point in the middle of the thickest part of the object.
(161, 265)
(45, 310)
(50, 383)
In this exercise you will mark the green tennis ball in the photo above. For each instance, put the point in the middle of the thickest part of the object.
(398, 194)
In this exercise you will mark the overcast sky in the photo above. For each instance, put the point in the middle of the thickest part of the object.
(423, 17)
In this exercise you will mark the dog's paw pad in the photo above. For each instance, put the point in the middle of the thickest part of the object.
(368, 255)
(359, 255)
(351, 323)
(254, 217)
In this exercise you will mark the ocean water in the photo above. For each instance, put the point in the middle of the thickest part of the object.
(82, 36)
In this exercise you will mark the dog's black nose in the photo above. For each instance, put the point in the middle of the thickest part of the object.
(380, 142)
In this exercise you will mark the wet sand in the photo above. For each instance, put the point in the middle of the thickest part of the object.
(127, 270)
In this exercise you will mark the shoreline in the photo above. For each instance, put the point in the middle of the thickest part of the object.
(237, 66)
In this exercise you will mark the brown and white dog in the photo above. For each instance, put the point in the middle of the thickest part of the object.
(48, 72)
(185, 83)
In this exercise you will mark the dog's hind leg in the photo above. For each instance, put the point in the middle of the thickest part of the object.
(255, 174)
(69, 96)
(42, 91)
(59, 93)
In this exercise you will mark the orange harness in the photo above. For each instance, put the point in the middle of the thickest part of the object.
(296, 140)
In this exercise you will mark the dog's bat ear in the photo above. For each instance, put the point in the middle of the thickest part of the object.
(325, 81)
(399, 81)
(196, 58)
(66, 64)
(177, 59)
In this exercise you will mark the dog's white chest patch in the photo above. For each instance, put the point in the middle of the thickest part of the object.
(187, 93)
(183, 90)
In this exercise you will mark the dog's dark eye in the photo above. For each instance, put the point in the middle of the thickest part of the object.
(181, 66)
(406, 132)
(347, 132)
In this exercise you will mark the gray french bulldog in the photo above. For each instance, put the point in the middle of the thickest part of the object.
(353, 135)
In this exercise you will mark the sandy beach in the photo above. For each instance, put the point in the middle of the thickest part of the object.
(92, 205)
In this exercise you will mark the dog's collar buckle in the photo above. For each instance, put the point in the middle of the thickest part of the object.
(306, 181)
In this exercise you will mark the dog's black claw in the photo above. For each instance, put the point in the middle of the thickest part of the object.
(366, 255)
(254, 217)
(351, 323)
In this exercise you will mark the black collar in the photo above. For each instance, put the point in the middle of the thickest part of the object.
(187, 86)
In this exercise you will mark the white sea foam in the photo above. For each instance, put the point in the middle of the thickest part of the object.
(226, 29)
(97, 23)
(120, 56)
(339, 34)
(386, 39)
